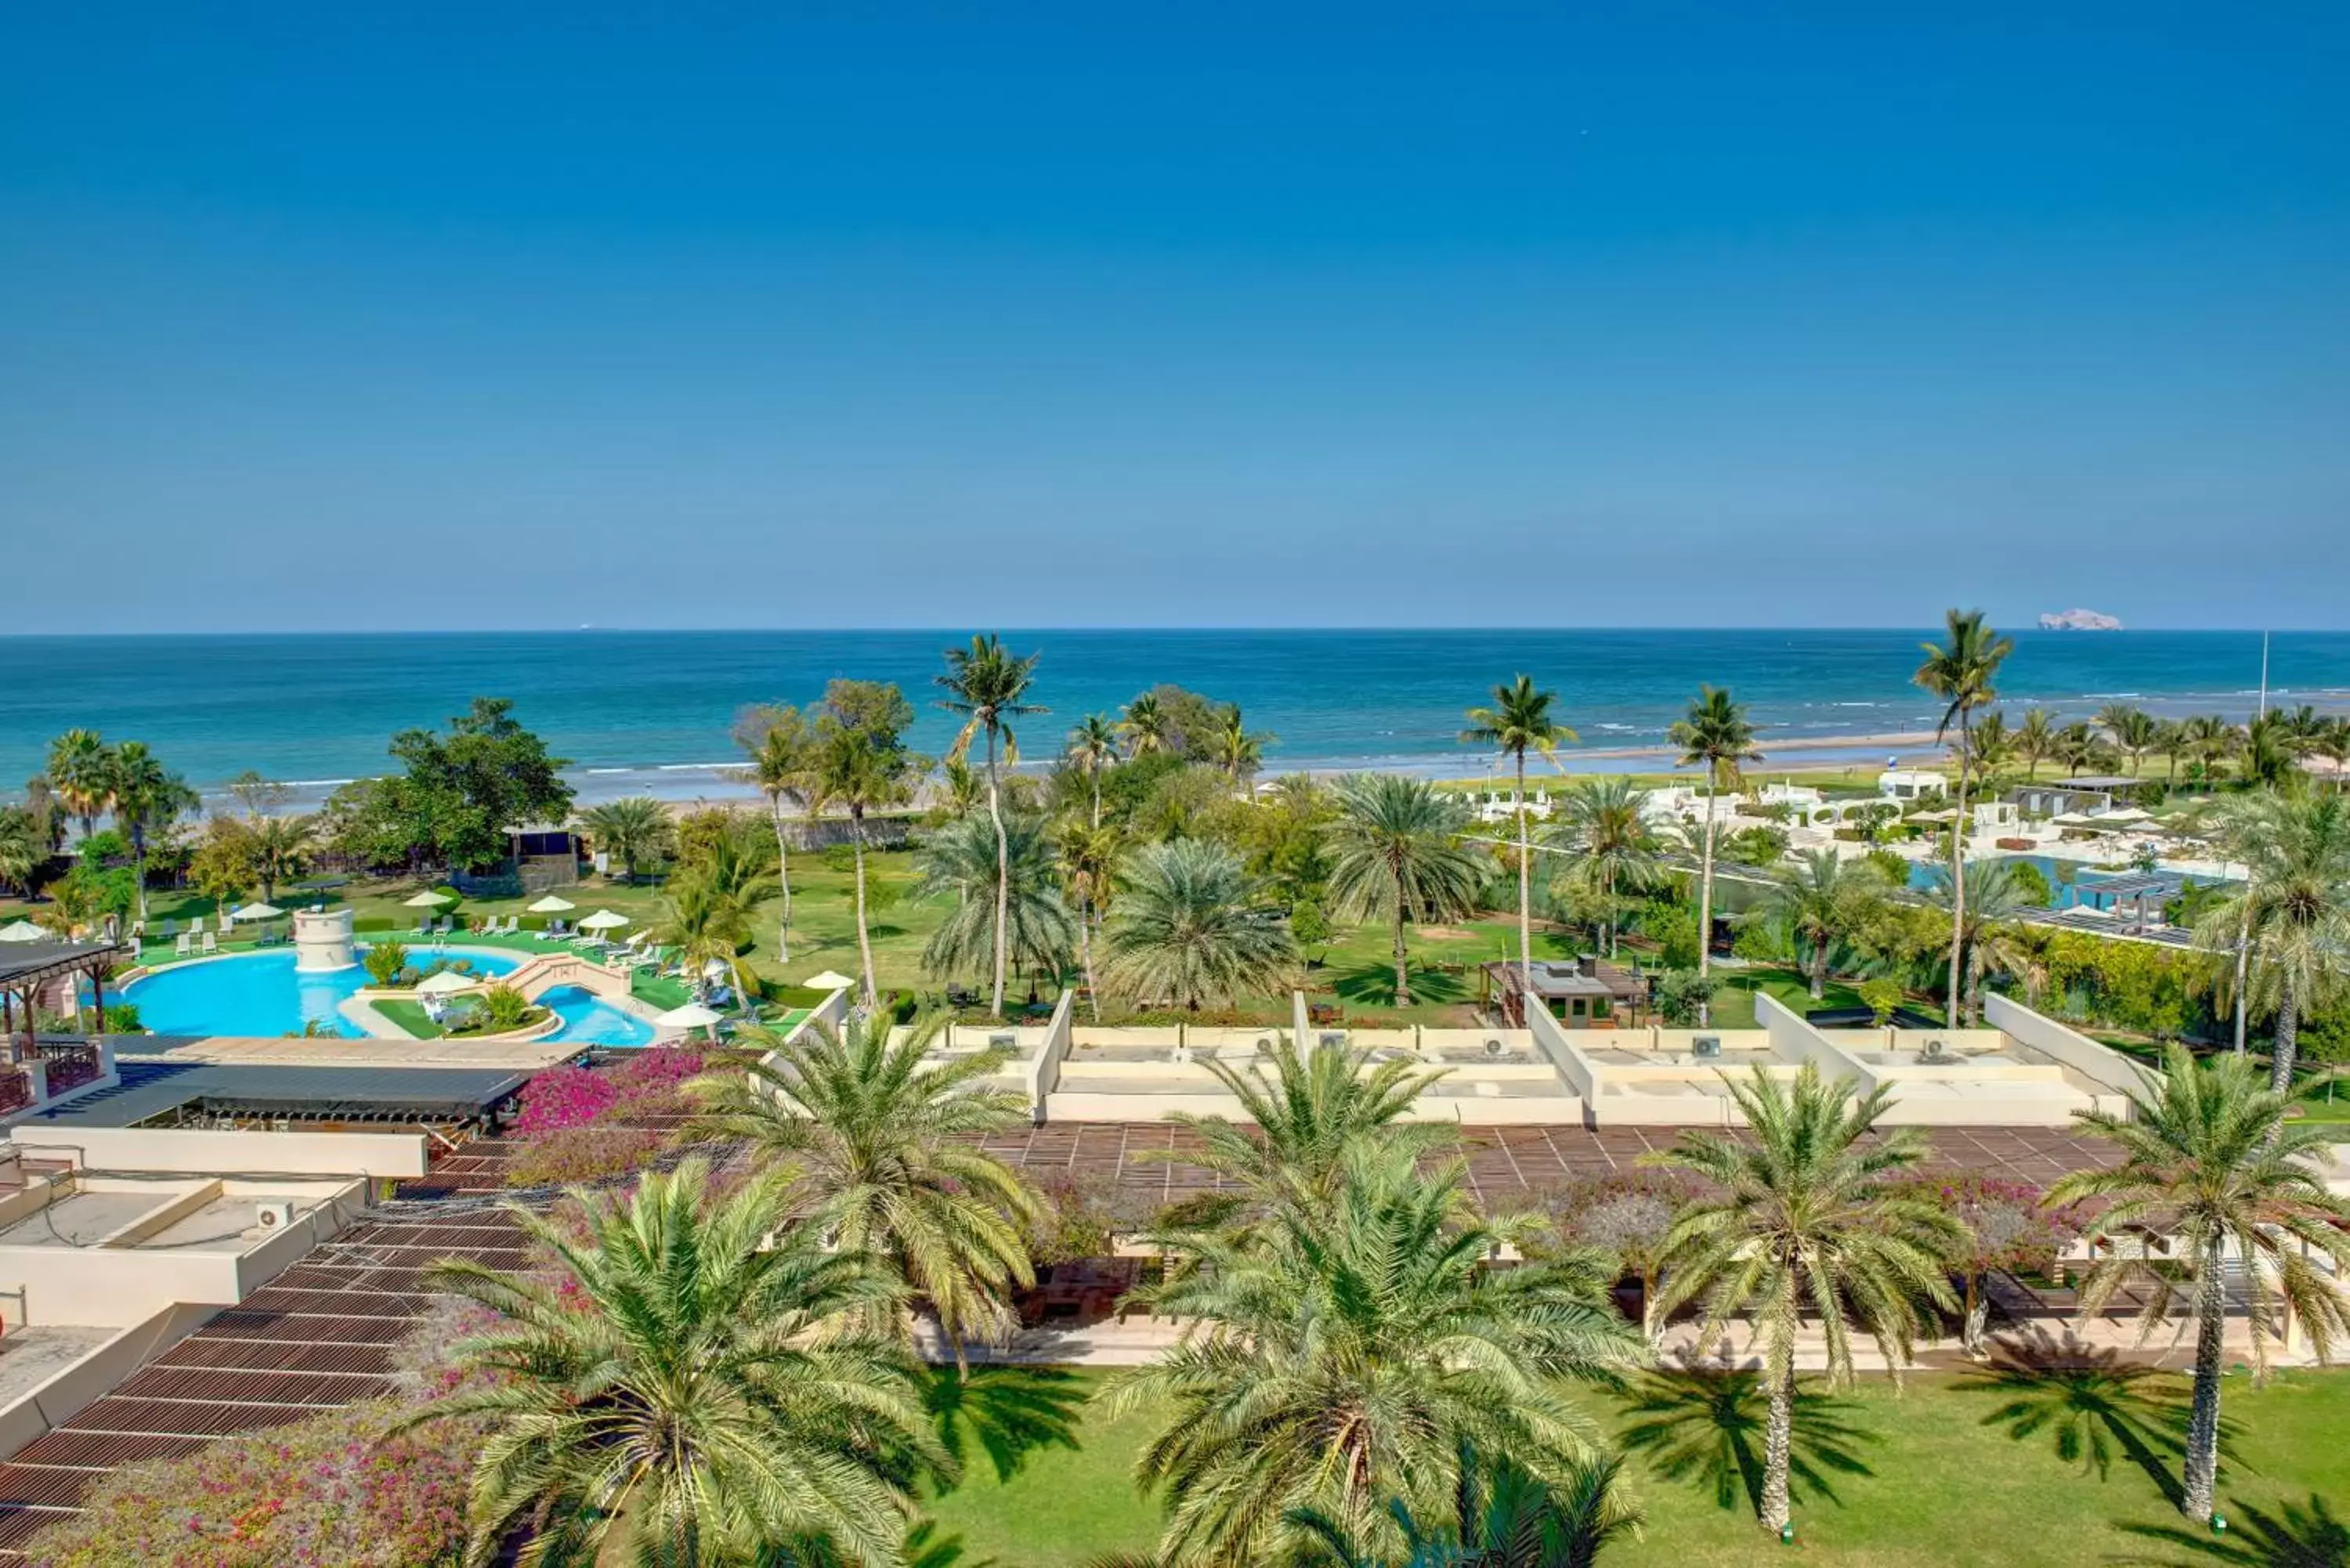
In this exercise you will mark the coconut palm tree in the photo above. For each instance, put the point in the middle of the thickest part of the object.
(960, 860)
(1144, 724)
(861, 765)
(634, 830)
(1191, 925)
(884, 1136)
(2133, 731)
(1396, 854)
(2211, 1159)
(278, 846)
(1820, 896)
(1518, 721)
(1093, 752)
(1237, 749)
(2035, 740)
(23, 849)
(1713, 735)
(782, 754)
(1502, 1516)
(987, 684)
(1298, 1125)
(1608, 850)
(1088, 860)
(81, 776)
(2290, 912)
(148, 799)
(1805, 1213)
(1962, 672)
(680, 1391)
(1342, 1353)
(1983, 923)
(706, 927)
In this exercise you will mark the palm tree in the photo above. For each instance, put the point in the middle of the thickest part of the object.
(1093, 752)
(960, 859)
(2211, 1159)
(1502, 1516)
(1192, 925)
(148, 800)
(1983, 923)
(2291, 912)
(1962, 672)
(1716, 736)
(81, 774)
(1340, 1356)
(1088, 859)
(1805, 1212)
(277, 846)
(1145, 725)
(884, 1136)
(23, 849)
(782, 754)
(1819, 897)
(861, 765)
(2035, 740)
(682, 1393)
(1396, 854)
(706, 927)
(1239, 751)
(1297, 1127)
(2133, 731)
(2205, 739)
(2172, 739)
(1609, 850)
(986, 685)
(1519, 721)
(632, 830)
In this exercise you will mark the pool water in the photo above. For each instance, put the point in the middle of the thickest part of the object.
(262, 995)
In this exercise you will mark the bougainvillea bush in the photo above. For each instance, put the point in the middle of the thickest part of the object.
(647, 1083)
(571, 1155)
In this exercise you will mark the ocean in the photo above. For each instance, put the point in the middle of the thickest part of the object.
(649, 711)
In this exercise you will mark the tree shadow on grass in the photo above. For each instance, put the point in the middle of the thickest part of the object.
(2093, 1406)
(1373, 985)
(928, 1546)
(1004, 1412)
(2296, 1536)
(1714, 1426)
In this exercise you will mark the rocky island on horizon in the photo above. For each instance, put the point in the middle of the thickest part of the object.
(2079, 621)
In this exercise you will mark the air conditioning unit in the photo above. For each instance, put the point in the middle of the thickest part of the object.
(1707, 1047)
(274, 1216)
(1002, 1040)
(1335, 1038)
(1494, 1047)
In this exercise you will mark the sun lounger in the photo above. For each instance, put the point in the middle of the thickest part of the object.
(211, 943)
(182, 945)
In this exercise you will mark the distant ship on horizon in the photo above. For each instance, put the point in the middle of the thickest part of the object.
(2079, 621)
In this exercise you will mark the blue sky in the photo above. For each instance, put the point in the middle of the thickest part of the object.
(496, 315)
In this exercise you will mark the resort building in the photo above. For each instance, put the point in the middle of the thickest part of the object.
(1902, 785)
(1582, 993)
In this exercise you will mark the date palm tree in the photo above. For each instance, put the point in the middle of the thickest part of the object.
(81, 776)
(1518, 721)
(633, 830)
(148, 799)
(278, 846)
(782, 754)
(2035, 740)
(1396, 854)
(706, 927)
(1144, 725)
(959, 861)
(1962, 672)
(1806, 1214)
(1716, 736)
(1239, 751)
(2211, 1159)
(2290, 912)
(1341, 1355)
(861, 765)
(1502, 1516)
(987, 685)
(23, 849)
(1192, 926)
(884, 1136)
(680, 1391)
(1608, 849)
(1093, 752)
(1819, 897)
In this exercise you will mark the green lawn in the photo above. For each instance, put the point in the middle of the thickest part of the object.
(1965, 1471)
(412, 1019)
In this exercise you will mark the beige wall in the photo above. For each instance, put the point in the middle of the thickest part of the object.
(204, 1151)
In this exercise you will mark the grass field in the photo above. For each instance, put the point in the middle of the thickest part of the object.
(1965, 1471)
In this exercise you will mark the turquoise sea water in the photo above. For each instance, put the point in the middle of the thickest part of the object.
(637, 711)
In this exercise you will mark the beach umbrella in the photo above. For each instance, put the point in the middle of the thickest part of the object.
(692, 1015)
(716, 969)
(445, 983)
(427, 899)
(551, 905)
(830, 980)
(603, 920)
(23, 931)
(257, 912)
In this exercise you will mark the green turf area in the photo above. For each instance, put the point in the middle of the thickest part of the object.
(1965, 1471)
(412, 1019)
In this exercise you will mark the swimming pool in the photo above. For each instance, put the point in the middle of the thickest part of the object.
(264, 994)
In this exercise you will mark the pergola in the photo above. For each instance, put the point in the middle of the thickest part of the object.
(28, 969)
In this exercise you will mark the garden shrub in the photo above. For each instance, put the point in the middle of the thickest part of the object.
(577, 1154)
(564, 1097)
(506, 1007)
(384, 961)
(1681, 992)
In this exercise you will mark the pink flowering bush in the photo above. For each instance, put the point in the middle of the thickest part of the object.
(646, 1083)
(571, 1155)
